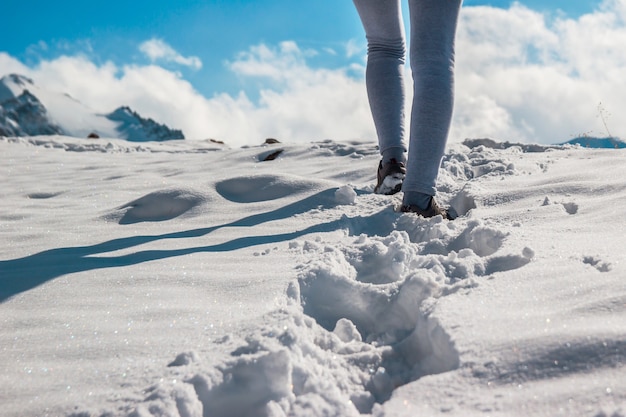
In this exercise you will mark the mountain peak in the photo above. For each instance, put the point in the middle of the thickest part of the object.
(137, 128)
(25, 115)
(18, 79)
(596, 142)
(28, 109)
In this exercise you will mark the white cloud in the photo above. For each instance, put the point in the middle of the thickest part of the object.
(354, 48)
(9, 65)
(520, 76)
(276, 64)
(158, 50)
(307, 104)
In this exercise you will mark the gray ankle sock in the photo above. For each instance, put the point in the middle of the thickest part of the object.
(414, 198)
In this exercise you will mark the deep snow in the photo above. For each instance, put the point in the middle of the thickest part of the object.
(189, 279)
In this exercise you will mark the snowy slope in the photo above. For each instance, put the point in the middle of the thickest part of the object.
(188, 279)
(54, 112)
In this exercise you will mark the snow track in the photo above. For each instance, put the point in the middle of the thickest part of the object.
(356, 324)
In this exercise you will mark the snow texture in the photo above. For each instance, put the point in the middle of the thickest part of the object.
(186, 279)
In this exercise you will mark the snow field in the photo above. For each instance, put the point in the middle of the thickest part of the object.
(330, 302)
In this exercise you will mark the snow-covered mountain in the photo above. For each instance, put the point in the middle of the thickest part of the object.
(600, 143)
(24, 115)
(27, 109)
(132, 125)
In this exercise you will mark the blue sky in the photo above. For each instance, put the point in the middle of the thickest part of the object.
(240, 71)
(215, 31)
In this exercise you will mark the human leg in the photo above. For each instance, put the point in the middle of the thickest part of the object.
(382, 21)
(433, 30)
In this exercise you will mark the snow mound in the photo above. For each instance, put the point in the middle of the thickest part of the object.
(157, 206)
(185, 358)
(265, 379)
(257, 188)
(345, 195)
(355, 150)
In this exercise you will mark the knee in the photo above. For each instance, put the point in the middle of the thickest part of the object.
(386, 48)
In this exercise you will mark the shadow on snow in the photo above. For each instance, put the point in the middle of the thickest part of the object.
(23, 274)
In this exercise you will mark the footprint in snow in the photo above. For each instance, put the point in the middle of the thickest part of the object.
(570, 207)
(357, 324)
(374, 289)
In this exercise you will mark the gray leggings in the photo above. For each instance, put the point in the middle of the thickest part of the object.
(433, 29)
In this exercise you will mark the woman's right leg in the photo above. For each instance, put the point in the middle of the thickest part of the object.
(384, 29)
(433, 30)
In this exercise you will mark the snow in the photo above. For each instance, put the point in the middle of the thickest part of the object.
(188, 279)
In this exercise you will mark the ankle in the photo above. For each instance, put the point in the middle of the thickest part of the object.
(415, 198)
(394, 154)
